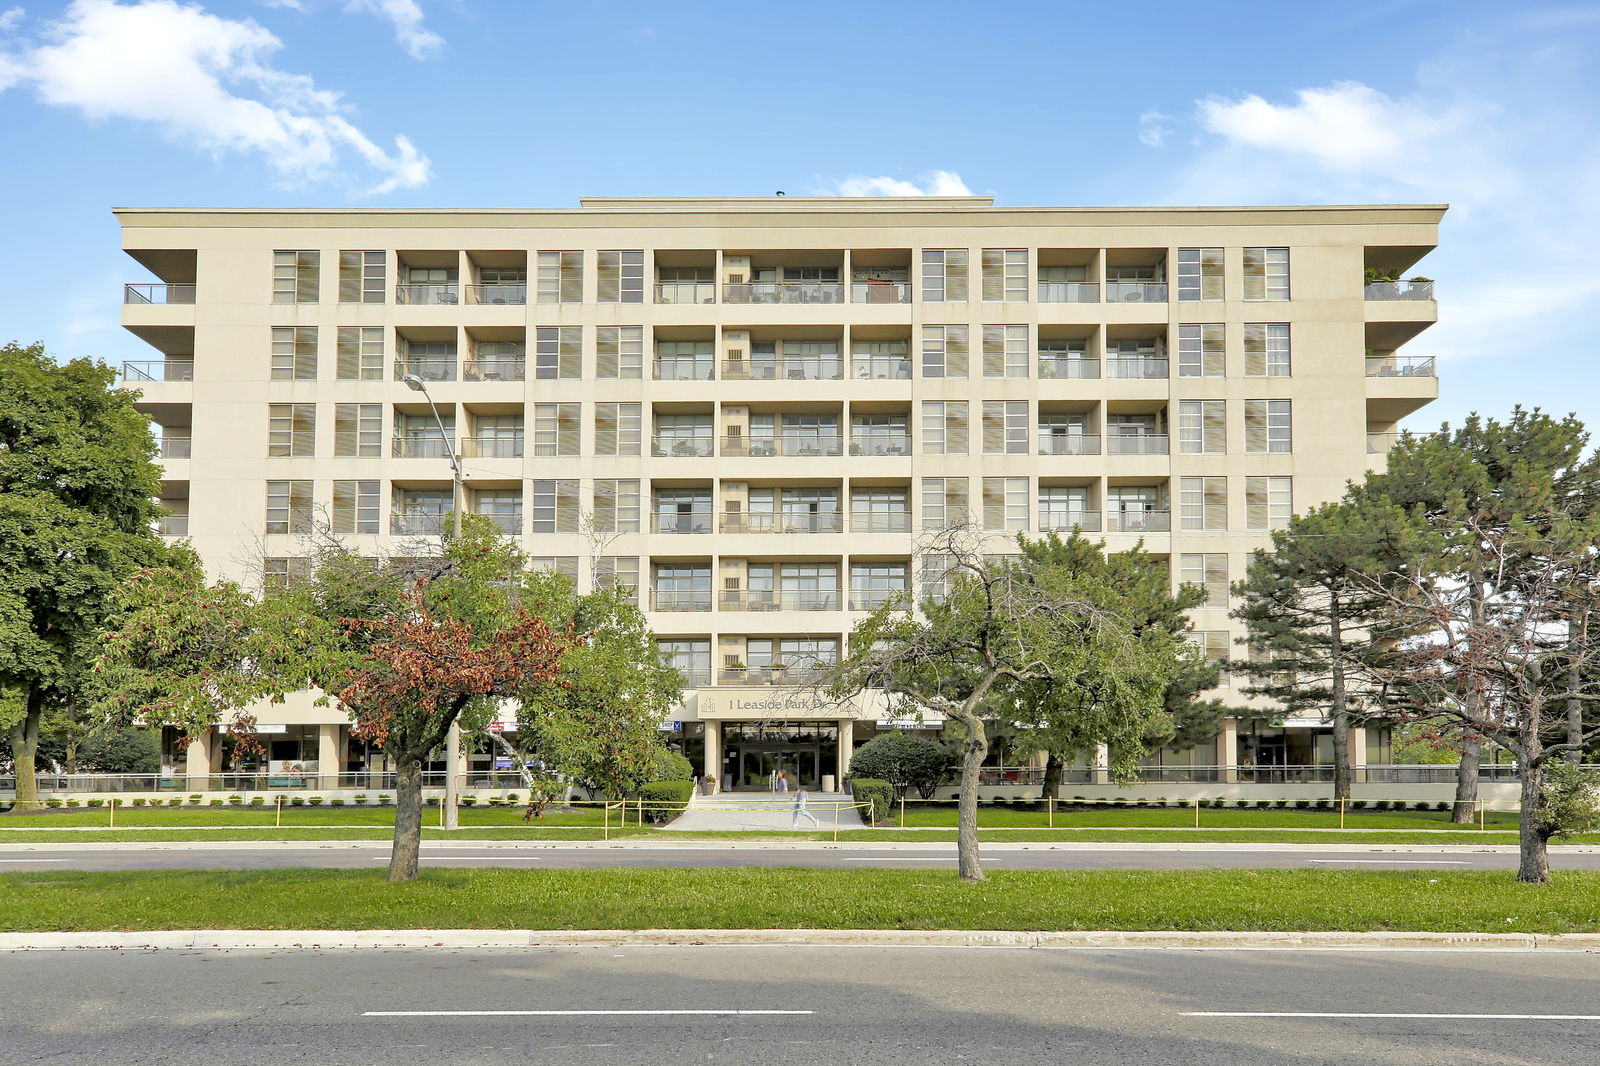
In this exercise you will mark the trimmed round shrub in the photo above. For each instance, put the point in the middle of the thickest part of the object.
(876, 791)
(315, 801)
(258, 801)
(138, 801)
(235, 801)
(670, 766)
(1302, 805)
(175, 801)
(665, 800)
(1241, 803)
(905, 760)
(361, 799)
(298, 801)
(336, 802)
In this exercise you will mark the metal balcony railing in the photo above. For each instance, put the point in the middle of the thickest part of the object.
(880, 292)
(492, 447)
(872, 599)
(780, 600)
(686, 292)
(1065, 521)
(428, 368)
(821, 522)
(158, 293)
(495, 368)
(497, 293)
(695, 677)
(1398, 290)
(509, 523)
(682, 447)
(685, 369)
(174, 448)
(1381, 443)
(680, 599)
(1068, 292)
(1400, 366)
(800, 369)
(1139, 521)
(1136, 366)
(880, 521)
(786, 445)
(158, 370)
(416, 523)
(1068, 443)
(784, 292)
(1136, 444)
(881, 444)
(797, 674)
(694, 522)
(444, 292)
(1053, 366)
(889, 367)
(1136, 292)
(423, 447)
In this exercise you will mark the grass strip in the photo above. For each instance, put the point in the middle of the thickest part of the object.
(757, 898)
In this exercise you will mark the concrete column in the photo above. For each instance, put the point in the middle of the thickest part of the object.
(1228, 749)
(329, 764)
(197, 761)
(1358, 752)
(713, 767)
(1102, 764)
(847, 747)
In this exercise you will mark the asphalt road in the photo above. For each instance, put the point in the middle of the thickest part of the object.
(157, 856)
(801, 1005)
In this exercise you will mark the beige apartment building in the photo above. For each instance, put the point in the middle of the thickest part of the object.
(751, 410)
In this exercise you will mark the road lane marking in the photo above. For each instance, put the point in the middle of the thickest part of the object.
(1360, 1014)
(33, 860)
(560, 1013)
(913, 858)
(1392, 862)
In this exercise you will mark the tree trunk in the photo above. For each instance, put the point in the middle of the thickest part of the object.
(972, 755)
(407, 819)
(1338, 709)
(1532, 836)
(1466, 806)
(1052, 776)
(1575, 641)
(24, 736)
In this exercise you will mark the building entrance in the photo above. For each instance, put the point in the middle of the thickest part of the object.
(753, 753)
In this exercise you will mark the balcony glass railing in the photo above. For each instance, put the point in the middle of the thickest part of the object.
(158, 293)
(881, 444)
(492, 447)
(872, 599)
(685, 369)
(497, 293)
(507, 522)
(820, 522)
(1136, 444)
(890, 367)
(1066, 367)
(1136, 366)
(880, 521)
(1398, 290)
(416, 523)
(682, 447)
(693, 522)
(783, 369)
(1400, 366)
(1381, 443)
(173, 525)
(792, 446)
(880, 292)
(680, 599)
(428, 368)
(495, 368)
(1139, 521)
(686, 292)
(1068, 443)
(1065, 521)
(443, 292)
(1068, 292)
(423, 447)
(1136, 292)
(158, 370)
(174, 447)
(780, 600)
(796, 674)
(784, 292)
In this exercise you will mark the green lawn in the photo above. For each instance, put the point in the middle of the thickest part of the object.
(927, 815)
(1275, 900)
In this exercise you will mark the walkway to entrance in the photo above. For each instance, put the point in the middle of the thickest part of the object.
(767, 811)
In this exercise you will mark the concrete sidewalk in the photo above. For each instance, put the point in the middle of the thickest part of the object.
(767, 811)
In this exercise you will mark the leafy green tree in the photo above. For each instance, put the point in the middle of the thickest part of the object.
(904, 760)
(77, 488)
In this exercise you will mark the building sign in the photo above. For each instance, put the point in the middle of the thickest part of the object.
(756, 704)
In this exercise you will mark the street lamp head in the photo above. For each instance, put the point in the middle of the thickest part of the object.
(414, 383)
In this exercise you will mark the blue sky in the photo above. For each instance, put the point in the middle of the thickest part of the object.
(1492, 108)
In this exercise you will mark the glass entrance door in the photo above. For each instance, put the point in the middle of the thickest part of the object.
(754, 753)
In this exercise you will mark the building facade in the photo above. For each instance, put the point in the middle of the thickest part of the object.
(752, 410)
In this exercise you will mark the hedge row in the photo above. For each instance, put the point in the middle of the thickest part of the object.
(875, 791)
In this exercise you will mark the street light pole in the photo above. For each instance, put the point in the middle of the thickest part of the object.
(452, 744)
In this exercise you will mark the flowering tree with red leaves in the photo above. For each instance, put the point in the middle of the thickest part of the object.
(422, 669)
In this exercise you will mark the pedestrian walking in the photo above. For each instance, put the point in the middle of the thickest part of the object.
(801, 812)
(783, 781)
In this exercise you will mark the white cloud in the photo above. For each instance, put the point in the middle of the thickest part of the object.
(1347, 126)
(10, 18)
(204, 80)
(933, 183)
(407, 17)
(1154, 128)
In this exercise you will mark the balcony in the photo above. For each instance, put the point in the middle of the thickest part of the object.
(881, 444)
(1136, 444)
(1139, 521)
(433, 293)
(872, 599)
(417, 523)
(509, 524)
(173, 525)
(693, 522)
(1053, 367)
(1136, 292)
(784, 292)
(783, 369)
(499, 293)
(686, 292)
(780, 600)
(1067, 521)
(486, 447)
(880, 521)
(686, 369)
(1136, 366)
(158, 370)
(157, 293)
(1415, 289)
(1069, 443)
(891, 367)
(423, 447)
(428, 368)
(820, 522)
(494, 368)
(681, 447)
(1381, 443)
(777, 674)
(172, 447)
(1069, 292)
(791, 446)
(880, 292)
(1400, 366)
(680, 599)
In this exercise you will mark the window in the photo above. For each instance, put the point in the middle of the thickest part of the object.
(1200, 274)
(1061, 507)
(281, 573)
(617, 429)
(565, 565)
(1202, 427)
(555, 506)
(944, 274)
(558, 352)
(1203, 503)
(555, 428)
(1267, 426)
(944, 502)
(358, 430)
(691, 658)
(1213, 644)
(1266, 349)
(944, 351)
(1268, 502)
(420, 436)
(619, 352)
(876, 510)
(1005, 351)
(616, 505)
(355, 506)
(944, 427)
(874, 584)
(295, 276)
(294, 353)
(1005, 274)
(1005, 427)
(291, 429)
(1200, 351)
(497, 437)
(360, 353)
(429, 360)
(938, 571)
(1266, 273)
(503, 507)
(288, 507)
(619, 571)
(560, 277)
(1005, 503)
(361, 278)
(1209, 570)
(685, 361)
(621, 277)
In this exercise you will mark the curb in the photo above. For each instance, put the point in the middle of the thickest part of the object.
(523, 939)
